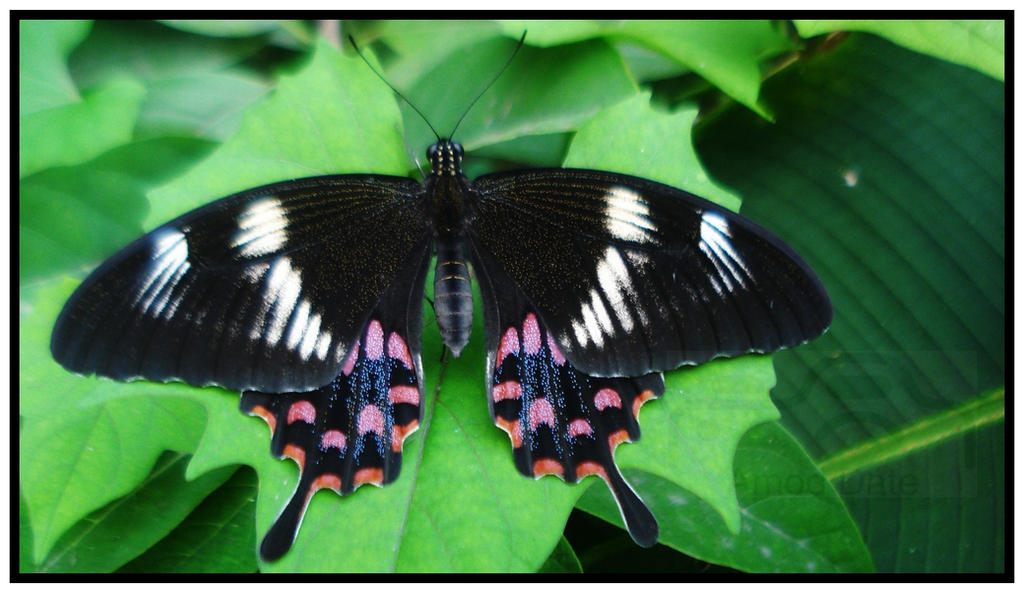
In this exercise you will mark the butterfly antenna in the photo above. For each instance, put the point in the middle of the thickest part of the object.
(400, 95)
(495, 79)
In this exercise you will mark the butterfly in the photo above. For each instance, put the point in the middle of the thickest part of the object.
(306, 295)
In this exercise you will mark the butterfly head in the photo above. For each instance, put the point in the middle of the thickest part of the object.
(445, 158)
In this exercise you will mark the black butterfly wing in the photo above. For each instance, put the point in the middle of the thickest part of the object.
(561, 421)
(266, 289)
(632, 276)
(350, 432)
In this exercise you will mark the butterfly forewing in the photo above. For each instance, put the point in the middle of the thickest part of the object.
(632, 276)
(266, 289)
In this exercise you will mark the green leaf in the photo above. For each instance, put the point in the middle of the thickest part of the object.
(85, 442)
(922, 434)
(43, 78)
(562, 560)
(650, 132)
(547, 33)
(792, 518)
(218, 536)
(101, 542)
(885, 170)
(77, 132)
(289, 135)
(976, 44)
(543, 91)
(194, 86)
(72, 217)
(727, 54)
(202, 105)
(408, 49)
(224, 28)
(149, 51)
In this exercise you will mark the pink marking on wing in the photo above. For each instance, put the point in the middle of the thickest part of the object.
(509, 345)
(541, 413)
(333, 438)
(370, 420)
(398, 350)
(556, 353)
(607, 398)
(404, 394)
(579, 426)
(531, 334)
(302, 410)
(506, 390)
(350, 360)
(374, 340)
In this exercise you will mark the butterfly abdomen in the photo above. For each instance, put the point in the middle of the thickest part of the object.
(453, 294)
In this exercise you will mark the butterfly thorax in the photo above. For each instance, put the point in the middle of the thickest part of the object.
(446, 188)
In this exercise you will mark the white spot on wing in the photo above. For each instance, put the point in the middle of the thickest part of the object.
(716, 244)
(627, 216)
(592, 326)
(291, 316)
(614, 279)
(167, 266)
(262, 228)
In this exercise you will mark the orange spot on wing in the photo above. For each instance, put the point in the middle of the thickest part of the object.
(296, 453)
(590, 468)
(645, 396)
(369, 475)
(399, 432)
(514, 430)
(617, 437)
(327, 481)
(544, 467)
(267, 416)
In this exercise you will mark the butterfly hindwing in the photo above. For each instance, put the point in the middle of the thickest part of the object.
(266, 289)
(646, 277)
(560, 420)
(350, 432)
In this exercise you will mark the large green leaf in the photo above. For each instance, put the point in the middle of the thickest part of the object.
(978, 44)
(43, 78)
(543, 91)
(904, 158)
(71, 217)
(292, 136)
(85, 442)
(76, 132)
(101, 543)
(194, 85)
(726, 53)
(792, 518)
(218, 536)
